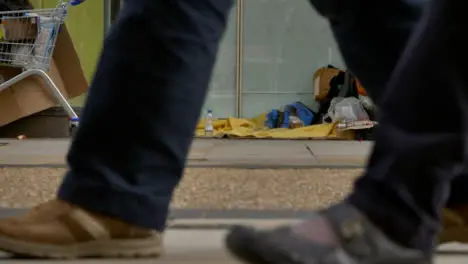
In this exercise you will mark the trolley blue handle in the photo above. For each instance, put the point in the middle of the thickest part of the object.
(76, 2)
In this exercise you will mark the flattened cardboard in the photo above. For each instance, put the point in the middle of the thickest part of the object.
(69, 65)
(322, 79)
(30, 95)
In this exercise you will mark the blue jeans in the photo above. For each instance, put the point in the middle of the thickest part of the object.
(144, 102)
(419, 147)
(371, 37)
(143, 106)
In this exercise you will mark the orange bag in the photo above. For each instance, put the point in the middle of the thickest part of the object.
(360, 88)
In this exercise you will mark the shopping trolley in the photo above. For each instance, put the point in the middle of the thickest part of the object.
(27, 41)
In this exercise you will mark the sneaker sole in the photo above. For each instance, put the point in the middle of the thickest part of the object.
(241, 244)
(248, 247)
(115, 248)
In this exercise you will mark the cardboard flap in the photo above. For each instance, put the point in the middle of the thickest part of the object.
(28, 96)
(32, 94)
(9, 108)
(69, 65)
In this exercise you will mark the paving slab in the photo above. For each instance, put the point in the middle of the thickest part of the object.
(339, 153)
(37, 152)
(341, 161)
(31, 159)
(261, 151)
(341, 148)
(53, 151)
(34, 147)
(211, 153)
(200, 148)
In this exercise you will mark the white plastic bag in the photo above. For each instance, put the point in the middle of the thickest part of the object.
(367, 102)
(21, 55)
(347, 109)
(44, 40)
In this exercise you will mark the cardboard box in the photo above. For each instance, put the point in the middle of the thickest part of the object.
(19, 28)
(322, 79)
(31, 95)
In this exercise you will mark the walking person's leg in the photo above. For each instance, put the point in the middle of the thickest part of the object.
(371, 51)
(392, 216)
(137, 126)
(372, 36)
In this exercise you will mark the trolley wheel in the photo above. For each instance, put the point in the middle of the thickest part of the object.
(73, 130)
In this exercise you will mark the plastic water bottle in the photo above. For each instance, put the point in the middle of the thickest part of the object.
(209, 129)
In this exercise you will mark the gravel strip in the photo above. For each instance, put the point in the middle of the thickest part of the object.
(213, 189)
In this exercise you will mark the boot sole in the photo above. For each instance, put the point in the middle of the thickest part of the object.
(115, 248)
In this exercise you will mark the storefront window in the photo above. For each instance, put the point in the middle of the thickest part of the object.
(285, 42)
(221, 98)
(267, 57)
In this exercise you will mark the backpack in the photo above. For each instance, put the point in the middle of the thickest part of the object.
(281, 119)
(274, 119)
(305, 114)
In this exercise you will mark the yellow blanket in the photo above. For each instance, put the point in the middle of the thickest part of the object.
(255, 128)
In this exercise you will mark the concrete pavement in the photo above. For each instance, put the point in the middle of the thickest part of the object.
(200, 244)
(212, 153)
(200, 247)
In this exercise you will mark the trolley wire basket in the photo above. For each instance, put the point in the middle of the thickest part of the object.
(27, 41)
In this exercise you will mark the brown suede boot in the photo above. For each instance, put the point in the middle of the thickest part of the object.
(455, 225)
(57, 229)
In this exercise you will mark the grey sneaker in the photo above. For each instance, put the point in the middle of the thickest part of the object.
(358, 241)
